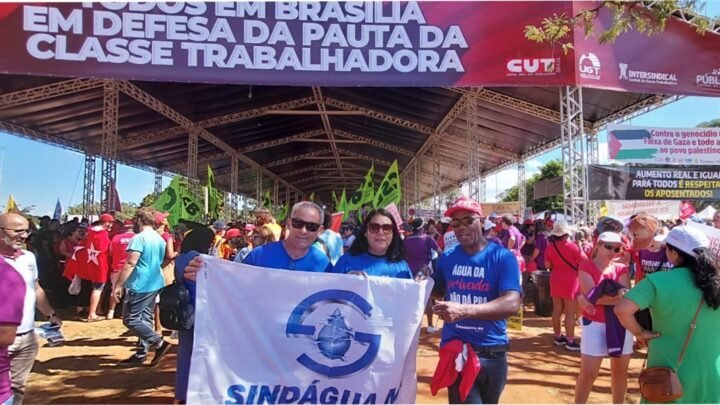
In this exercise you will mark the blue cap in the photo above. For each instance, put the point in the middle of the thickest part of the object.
(219, 225)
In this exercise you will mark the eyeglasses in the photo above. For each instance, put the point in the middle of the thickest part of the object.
(375, 228)
(300, 224)
(467, 221)
(19, 231)
(616, 249)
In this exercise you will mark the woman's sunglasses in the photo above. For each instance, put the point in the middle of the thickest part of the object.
(375, 228)
(300, 224)
(615, 249)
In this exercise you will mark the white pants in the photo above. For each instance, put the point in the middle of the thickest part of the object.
(594, 340)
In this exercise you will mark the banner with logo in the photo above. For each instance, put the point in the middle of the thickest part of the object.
(661, 209)
(654, 183)
(319, 338)
(676, 146)
(712, 233)
(503, 208)
(179, 202)
(389, 191)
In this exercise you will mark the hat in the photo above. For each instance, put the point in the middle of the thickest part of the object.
(128, 222)
(233, 233)
(107, 218)
(687, 239)
(464, 204)
(560, 228)
(160, 217)
(249, 227)
(488, 225)
(643, 228)
(610, 237)
(219, 225)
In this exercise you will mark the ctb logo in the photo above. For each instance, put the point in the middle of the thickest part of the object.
(333, 336)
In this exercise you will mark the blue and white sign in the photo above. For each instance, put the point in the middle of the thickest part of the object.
(278, 336)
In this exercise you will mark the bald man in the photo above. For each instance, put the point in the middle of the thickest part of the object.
(14, 231)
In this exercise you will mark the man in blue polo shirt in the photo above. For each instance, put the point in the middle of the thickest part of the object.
(479, 284)
(293, 253)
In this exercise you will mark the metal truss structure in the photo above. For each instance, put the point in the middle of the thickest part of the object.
(49, 91)
(158, 188)
(472, 147)
(436, 180)
(111, 107)
(89, 186)
(572, 136)
(318, 98)
(522, 192)
(379, 116)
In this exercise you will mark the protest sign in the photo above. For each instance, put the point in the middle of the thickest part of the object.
(660, 209)
(318, 338)
(676, 146)
(654, 183)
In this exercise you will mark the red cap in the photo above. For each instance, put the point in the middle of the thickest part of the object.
(128, 222)
(464, 204)
(232, 233)
(160, 217)
(250, 227)
(107, 218)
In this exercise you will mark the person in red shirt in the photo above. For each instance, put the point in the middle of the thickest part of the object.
(118, 256)
(97, 247)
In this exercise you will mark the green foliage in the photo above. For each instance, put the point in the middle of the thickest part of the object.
(645, 17)
(128, 210)
(552, 169)
(148, 200)
(710, 124)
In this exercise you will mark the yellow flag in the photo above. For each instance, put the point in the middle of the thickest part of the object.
(368, 188)
(389, 190)
(11, 206)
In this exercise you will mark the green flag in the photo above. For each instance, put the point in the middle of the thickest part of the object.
(215, 196)
(267, 200)
(283, 212)
(368, 188)
(335, 200)
(389, 190)
(179, 202)
(312, 196)
(342, 206)
(354, 202)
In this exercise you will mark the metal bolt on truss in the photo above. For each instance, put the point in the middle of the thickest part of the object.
(572, 137)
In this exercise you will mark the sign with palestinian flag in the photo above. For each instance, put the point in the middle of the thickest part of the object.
(675, 146)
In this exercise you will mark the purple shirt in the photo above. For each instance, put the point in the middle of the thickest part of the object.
(519, 238)
(650, 262)
(541, 244)
(12, 291)
(418, 250)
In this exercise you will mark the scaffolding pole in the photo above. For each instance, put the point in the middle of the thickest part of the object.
(89, 186)
(109, 146)
(522, 195)
(436, 182)
(572, 139)
(158, 188)
(483, 189)
(593, 157)
(234, 180)
(192, 164)
(472, 145)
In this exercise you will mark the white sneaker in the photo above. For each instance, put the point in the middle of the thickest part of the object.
(110, 315)
(432, 329)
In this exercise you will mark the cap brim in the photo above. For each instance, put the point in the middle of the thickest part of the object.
(450, 211)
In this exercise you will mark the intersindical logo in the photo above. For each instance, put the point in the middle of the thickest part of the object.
(333, 335)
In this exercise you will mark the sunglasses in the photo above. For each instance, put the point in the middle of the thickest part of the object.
(18, 231)
(300, 224)
(615, 249)
(456, 223)
(375, 228)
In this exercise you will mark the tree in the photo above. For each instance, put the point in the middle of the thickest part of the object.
(148, 200)
(552, 169)
(128, 210)
(645, 17)
(710, 124)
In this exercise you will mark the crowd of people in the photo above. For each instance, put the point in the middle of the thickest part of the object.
(626, 284)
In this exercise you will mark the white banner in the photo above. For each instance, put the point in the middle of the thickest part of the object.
(661, 209)
(278, 336)
(678, 146)
(712, 233)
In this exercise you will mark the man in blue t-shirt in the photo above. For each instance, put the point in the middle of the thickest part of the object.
(142, 279)
(293, 253)
(479, 285)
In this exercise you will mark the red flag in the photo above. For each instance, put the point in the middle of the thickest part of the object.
(73, 265)
(114, 197)
(686, 210)
(97, 245)
(336, 221)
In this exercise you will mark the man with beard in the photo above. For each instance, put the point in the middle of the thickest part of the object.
(478, 284)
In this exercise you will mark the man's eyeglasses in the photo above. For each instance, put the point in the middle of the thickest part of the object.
(615, 249)
(18, 231)
(456, 223)
(375, 228)
(300, 224)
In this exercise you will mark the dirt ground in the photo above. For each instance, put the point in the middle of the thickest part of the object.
(83, 369)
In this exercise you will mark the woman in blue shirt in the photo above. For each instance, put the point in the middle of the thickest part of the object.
(377, 250)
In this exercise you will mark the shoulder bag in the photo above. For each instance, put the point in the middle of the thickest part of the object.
(661, 384)
(643, 316)
(563, 257)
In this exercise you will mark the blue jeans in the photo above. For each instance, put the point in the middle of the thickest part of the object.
(489, 383)
(8, 401)
(138, 317)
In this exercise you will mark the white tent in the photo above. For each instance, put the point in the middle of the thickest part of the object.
(707, 213)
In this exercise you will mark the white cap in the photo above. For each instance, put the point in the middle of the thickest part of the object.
(610, 237)
(687, 239)
(488, 225)
(560, 228)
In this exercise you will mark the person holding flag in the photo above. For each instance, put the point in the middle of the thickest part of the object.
(97, 266)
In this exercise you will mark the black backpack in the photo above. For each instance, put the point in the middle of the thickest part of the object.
(177, 311)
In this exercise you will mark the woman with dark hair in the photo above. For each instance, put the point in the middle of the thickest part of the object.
(195, 242)
(674, 297)
(378, 249)
(537, 258)
(419, 249)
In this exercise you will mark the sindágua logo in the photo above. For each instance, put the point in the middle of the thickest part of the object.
(589, 66)
(328, 320)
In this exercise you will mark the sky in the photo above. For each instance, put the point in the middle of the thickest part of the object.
(39, 174)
